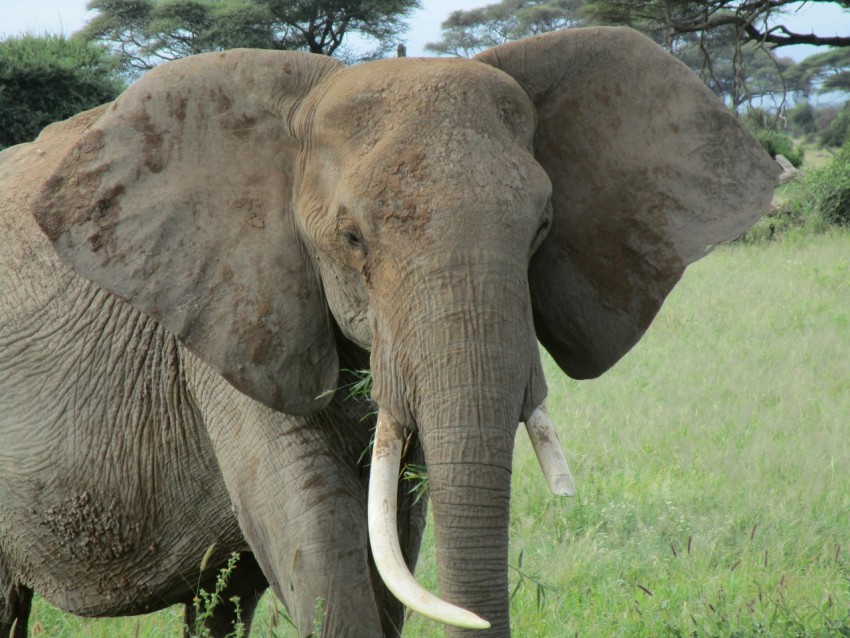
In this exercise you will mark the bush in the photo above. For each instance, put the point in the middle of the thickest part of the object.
(50, 78)
(816, 202)
(762, 124)
(802, 119)
(838, 130)
(776, 143)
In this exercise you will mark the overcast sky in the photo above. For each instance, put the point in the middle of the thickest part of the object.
(67, 16)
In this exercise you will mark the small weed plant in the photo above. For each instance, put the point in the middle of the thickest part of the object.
(205, 603)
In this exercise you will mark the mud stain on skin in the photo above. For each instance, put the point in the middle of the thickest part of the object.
(105, 215)
(57, 209)
(90, 530)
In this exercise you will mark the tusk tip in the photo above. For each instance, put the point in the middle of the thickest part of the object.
(474, 622)
(563, 486)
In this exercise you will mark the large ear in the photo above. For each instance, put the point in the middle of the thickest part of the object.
(178, 200)
(649, 170)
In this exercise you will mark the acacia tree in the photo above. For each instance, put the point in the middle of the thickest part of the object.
(466, 33)
(757, 21)
(824, 72)
(144, 33)
(742, 36)
(738, 73)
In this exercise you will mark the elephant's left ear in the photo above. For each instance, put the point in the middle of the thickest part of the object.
(649, 170)
(178, 199)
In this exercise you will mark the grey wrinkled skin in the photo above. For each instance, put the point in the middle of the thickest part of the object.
(188, 273)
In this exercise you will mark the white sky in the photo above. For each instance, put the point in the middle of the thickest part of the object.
(67, 16)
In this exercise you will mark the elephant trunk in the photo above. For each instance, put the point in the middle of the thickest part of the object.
(471, 373)
(469, 475)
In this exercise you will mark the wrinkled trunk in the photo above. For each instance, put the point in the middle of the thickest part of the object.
(469, 473)
(465, 372)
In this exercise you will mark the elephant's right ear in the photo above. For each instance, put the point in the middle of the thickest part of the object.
(178, 200)
(648, 170)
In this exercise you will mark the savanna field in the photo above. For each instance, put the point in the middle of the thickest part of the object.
(712, 465)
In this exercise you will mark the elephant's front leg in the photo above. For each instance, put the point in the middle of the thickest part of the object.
(15, 604)
(302, 508)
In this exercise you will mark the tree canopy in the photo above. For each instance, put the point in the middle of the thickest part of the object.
(466, 33)
(732, 44)
(51, 78)
(144, 33)
(823, 72)
(758, 21)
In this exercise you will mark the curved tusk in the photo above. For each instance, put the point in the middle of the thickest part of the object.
(546, 446)
(383, 533)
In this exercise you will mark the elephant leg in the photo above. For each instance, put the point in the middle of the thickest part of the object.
(16, 605)
(298, 494)
(239, 600)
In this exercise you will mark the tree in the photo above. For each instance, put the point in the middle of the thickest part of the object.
(742, 26)
(144, 33)
(753, 20)
(466, 33)
(824, 72)
(50, 78)
(738, 73)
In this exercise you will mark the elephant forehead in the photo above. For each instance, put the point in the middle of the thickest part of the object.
(424, 97)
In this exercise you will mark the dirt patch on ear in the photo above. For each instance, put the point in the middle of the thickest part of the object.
(66, 199)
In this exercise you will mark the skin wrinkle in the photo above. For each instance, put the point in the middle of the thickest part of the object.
(112, 451)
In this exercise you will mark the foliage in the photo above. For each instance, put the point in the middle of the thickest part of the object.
(824, 194)
(723, 35)
(144, 33)
(50, 78)
(802, 119)
(763, 125)
(777, 143)
(205, 603)
(466, 33)
(417, 476)
(823, 72)
(837, 132)
(670, 20)
(738, 73)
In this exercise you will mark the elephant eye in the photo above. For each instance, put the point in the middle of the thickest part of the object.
(352, 238)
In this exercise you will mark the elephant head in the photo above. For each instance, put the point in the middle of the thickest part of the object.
(444, 214)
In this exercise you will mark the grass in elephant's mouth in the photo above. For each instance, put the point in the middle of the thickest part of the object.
(712, 464)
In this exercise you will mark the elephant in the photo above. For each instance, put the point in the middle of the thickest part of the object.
(189, 274)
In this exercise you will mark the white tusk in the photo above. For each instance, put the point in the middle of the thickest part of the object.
(383, 533)
(546, 446)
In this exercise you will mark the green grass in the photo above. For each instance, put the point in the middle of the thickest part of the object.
(712, 465)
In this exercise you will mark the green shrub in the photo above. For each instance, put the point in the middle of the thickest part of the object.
(838, 130)
(802, 119)
(776, 143)
(829, 190)
(762, 124)
(50, 78)
(817, 201)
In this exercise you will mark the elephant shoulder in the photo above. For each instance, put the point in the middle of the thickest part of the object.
(31, 274)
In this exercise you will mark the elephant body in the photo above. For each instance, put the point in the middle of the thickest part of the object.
(107, 468)
(189, 274)
(112, 487)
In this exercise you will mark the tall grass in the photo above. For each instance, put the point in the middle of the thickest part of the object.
(712, 464)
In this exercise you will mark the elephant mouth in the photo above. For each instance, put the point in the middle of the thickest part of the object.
(383, 505)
